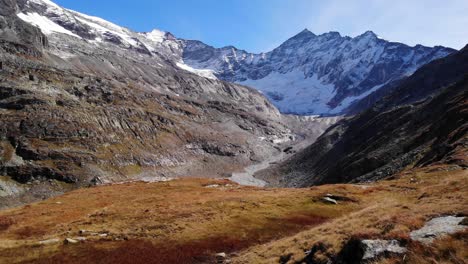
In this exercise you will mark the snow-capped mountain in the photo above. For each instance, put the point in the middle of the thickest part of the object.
(307, 74)
(53, 19)
(315, 74)
(72, 33)
(75, 41)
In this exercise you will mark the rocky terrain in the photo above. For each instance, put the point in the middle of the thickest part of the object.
(423, 121)
(316, 74)
(76, 112)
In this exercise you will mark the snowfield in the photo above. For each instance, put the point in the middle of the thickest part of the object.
(298, 94)
(46, 25)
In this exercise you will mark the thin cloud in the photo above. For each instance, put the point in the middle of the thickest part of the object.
(427, 22)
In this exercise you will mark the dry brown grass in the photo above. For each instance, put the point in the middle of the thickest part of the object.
(390, 210)
(450, 249)
(187, 221)
(165, 218)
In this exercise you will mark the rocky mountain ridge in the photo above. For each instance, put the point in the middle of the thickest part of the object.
(307, 74)
(315, 74)
(422, 122)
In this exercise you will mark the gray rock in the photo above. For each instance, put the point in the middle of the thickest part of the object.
(376, 248)
(438, 227)
(49, 241)
(221, 257)
(329, 200)
(366, 250)
(70, 241)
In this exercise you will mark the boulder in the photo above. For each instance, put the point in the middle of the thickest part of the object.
(376, 248)
(70, 241)
(357, 251)
(329, 200)
(220, 257)
(340, 198)
(438, 227)
(49, 241)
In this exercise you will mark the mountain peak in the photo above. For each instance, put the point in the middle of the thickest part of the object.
(368, 34)
(156, 35)
(305, 33)
(44, 3)
(331, 35)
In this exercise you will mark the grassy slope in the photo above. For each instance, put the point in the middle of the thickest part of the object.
(187, 221)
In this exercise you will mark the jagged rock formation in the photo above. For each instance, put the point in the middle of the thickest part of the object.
(315, 74)
(423, 121)
(17, 36)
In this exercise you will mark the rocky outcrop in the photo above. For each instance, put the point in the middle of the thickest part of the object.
(438, 227)
(358, 251)
(17, 36)
(9, 7)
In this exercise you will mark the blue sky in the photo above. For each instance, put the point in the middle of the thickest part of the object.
(261, 25)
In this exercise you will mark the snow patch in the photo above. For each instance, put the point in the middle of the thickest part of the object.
(102, 29)
(294, 93)
(437, 227)
(156, 36)
(351, 99)
(45, 2)
(99, 21)
(203, 73)
(46, 25)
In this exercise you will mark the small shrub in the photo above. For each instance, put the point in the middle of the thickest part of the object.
(28, 232)
(364, 235)
(285, 258)
(5, 223)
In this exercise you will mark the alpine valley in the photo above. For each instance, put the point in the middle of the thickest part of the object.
(119, 146)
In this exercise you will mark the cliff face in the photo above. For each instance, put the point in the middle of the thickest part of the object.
(18, 36)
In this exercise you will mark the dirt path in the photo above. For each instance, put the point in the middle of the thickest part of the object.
(246, 177)
(307, 130)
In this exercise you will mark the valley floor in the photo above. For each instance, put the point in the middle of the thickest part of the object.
(191, 220)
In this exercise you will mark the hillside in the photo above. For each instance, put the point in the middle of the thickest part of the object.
(192, 220)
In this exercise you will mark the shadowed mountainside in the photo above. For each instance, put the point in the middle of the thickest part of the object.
(423, 121)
